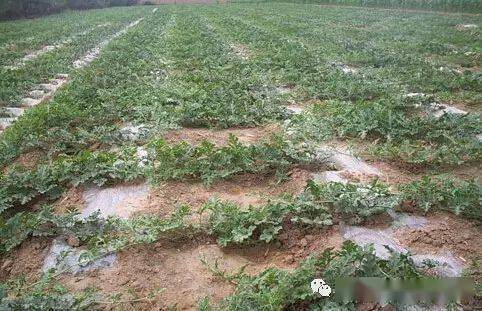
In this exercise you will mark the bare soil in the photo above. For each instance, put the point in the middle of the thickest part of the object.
(177, 270)
(445, 233)
(245, 190)
(72, 199)
(396, 175)
(27, 160)
(26, 260)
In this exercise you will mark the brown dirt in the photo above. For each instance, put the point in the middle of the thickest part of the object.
(466, 104)
(444, 232)
(378, 222)
(395, 175)
(389, 173)
(465, 171)
(245, 190)
(29, 159)
(26, 260)
(72, 199)
(175, 266)
(177, 269)
(26, 160)
(395, 172)
(299, 243)
(220, 137)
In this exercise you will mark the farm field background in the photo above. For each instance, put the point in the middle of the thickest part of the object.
(235, 152)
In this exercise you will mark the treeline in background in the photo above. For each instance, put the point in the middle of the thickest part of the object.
(10, 9)
(470, 6)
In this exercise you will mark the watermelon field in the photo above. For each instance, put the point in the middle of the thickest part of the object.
(223, 156)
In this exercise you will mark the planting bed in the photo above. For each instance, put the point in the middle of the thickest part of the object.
(223, 156)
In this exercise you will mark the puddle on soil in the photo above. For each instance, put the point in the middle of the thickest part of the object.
(409, 95)
(121, 201)
(446, 265)
(440, 110)
(14, 112)
(5, 122)
(142, 155)
(347, 69)
(36, 97)
(133, 132)
(94, 53)
(344, 68)
(33, 55)
(346, 161)
(467, 26)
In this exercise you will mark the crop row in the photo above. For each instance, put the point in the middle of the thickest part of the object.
(20, 187)
(24, 36)
(471, 6)
(228, 66)
(177, 69)
(377, 91)
(324, 42)
(21, 76)
(84, 111)
(192, 78)
(166, 72)
(317, 206)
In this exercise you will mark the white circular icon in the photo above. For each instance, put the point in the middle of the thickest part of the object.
(319, 286)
